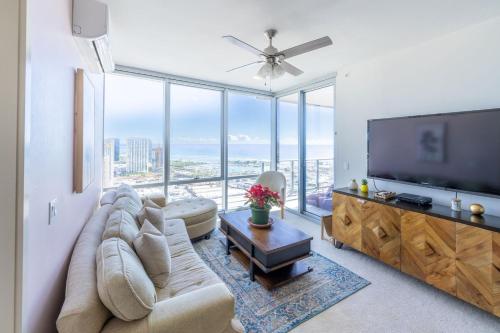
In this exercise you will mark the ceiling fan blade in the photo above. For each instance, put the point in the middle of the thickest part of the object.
(307, 47)
(289, 68)
(235, 41)
(252, 63)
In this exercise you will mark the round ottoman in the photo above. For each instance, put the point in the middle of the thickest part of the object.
(199, 215)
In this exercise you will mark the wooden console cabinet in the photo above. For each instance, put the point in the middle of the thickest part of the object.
(455, 252)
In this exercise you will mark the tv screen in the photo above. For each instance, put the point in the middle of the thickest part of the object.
(456, 151)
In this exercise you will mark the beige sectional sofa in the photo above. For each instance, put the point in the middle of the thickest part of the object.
(194, 299)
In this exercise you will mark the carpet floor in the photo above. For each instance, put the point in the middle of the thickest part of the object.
(285, 307)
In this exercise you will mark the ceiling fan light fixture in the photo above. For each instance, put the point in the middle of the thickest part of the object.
(264, 71)
(277, 71)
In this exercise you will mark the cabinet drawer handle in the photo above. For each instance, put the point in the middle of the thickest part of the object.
(346, 221)
(429, 250)
(380, 232)
(361, 201)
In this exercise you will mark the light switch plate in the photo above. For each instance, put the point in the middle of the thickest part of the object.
(52, 211)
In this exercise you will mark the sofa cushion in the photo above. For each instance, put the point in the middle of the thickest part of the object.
(152, 248)
(122, 283)
(192, 211)
(189, 272)
(83, 311)
(154, 215)
(125, 190)
(122, 225)
(128, 204)
(108, 198)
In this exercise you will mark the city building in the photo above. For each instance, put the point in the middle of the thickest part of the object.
(116, 143)
(157, 159)
(108, 162)
(138, 155)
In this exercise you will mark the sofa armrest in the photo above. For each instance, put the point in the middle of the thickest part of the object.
(157, 198)
(208, 309)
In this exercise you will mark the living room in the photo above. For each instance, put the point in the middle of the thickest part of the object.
(211, 133)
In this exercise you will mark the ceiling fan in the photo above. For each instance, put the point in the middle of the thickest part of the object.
(275, 65)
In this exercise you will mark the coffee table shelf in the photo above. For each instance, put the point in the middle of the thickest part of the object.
(271, 255)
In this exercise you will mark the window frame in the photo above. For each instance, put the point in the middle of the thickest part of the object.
(168, 138)
(225, 89)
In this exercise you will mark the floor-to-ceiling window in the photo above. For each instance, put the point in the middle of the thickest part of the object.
(318, 149)
(201, 140)
(195, 142)
(133, 132)
(288, 147)
(248, 143)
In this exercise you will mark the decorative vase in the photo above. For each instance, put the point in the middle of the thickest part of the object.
(364, 188)
(353, 185)
(260, 215)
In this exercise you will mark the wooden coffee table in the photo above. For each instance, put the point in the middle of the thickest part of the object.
(271, 255)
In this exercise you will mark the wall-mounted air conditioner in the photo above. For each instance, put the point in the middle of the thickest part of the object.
(91, 29)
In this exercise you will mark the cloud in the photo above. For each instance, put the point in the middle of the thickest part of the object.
(239, 138)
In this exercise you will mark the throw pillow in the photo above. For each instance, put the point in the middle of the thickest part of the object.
(150, 203)
(122, 283)
(153, 215)
(152, 248)
(122, 225)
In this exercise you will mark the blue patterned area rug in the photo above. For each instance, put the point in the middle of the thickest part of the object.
(285, 307)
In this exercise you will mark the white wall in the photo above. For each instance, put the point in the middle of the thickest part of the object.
(48, 248)
(457, 72)
(9, 62)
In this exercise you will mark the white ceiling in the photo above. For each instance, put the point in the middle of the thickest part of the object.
(183, 37)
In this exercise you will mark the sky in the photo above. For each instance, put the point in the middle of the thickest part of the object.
(134, 108)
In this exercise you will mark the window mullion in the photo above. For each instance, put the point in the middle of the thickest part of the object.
(166, 131)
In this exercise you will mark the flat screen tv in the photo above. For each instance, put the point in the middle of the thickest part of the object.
(454, 151)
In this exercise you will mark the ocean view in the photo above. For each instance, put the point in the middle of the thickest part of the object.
(205, 152)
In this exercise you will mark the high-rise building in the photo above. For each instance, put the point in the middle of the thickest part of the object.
(117, 150)
(116, 144)
(138, 155)
(109, 154)
(157, 159)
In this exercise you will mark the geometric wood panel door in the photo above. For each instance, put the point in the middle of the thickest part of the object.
(413, 246)
(428, 250)
(478, 267)
(381, 233)
(346, 220)
(441, 267)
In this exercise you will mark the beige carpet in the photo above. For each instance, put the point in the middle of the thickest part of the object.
(394, 302)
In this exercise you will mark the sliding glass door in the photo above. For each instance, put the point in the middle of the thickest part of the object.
(318, 150)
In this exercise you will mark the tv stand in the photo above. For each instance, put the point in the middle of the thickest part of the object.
(456, 252)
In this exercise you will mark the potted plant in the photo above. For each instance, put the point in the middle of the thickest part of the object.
(364, 186)
(261, 199)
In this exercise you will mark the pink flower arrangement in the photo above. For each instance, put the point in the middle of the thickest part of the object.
(262, 197)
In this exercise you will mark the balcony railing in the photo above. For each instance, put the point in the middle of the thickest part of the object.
(319, 177)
